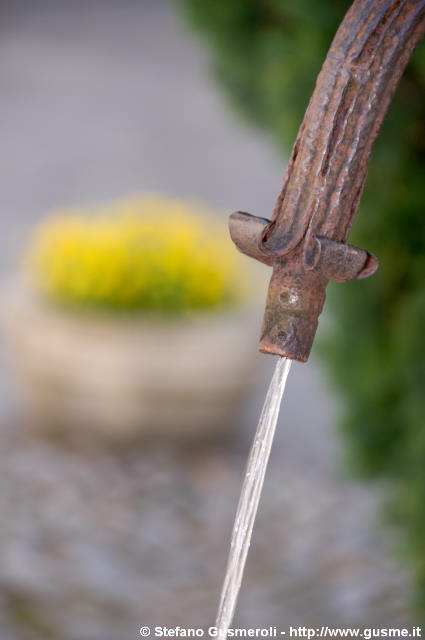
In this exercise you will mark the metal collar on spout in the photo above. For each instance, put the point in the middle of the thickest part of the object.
(305, 240)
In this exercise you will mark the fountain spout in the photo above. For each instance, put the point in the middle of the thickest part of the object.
(305, 239)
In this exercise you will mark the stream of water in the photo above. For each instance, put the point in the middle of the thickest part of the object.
(250, 496)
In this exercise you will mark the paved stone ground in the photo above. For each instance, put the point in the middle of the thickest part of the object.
(93, 545)
(101, 99)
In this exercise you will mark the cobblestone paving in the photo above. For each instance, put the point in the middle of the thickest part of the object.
(95, 544)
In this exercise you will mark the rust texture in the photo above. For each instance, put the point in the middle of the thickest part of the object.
(305, 240)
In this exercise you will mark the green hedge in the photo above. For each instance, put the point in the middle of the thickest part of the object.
(267, 53)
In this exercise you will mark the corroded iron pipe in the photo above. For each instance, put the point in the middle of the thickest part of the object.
(305, 240)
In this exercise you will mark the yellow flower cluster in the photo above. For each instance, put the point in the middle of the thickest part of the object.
(142, 253)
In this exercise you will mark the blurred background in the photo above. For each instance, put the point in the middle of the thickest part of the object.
(128, 523)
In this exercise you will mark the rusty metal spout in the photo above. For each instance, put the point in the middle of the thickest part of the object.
(305, 240)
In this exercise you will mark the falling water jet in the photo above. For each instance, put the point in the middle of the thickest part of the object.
(250, 495)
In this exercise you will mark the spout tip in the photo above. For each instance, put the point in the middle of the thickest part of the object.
(294, 303)
(293, 341)
(275, 350)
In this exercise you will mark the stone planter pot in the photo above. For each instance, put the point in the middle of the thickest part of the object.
(122, 378)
